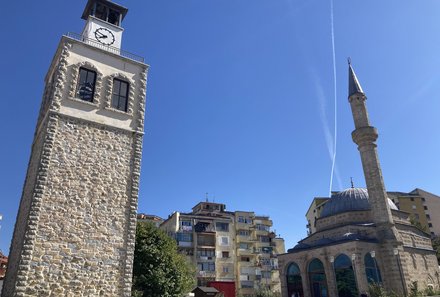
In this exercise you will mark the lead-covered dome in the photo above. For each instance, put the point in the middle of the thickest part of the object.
(351, 199)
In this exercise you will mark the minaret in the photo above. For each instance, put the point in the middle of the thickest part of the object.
(76, 224)
(365, 137)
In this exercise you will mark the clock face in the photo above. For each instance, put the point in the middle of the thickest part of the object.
(104, 36)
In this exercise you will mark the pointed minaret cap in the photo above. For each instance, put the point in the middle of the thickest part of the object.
(353, 84)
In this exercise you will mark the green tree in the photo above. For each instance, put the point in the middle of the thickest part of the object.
(436, 247)
(158, 269)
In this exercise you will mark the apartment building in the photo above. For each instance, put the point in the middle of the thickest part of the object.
(142, 217)
(420, 204)
(423, 207)
(228, 246)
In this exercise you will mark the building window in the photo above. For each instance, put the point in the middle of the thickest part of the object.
(262, 238)
(224, 240)
(430, 225)
(423, 199)
(428, 216)
(244, 220)
(186, 237)
(294, 281)
(243, 246)
(86, 84)
(243, 232)
(120, 94)
(261, 227)
(225, 254)
(371, 269)
(425, 207)
(225, 269)
(223, 227)
(345, 278)
(206, 266)
(414, 207)
(412, 199)
(317, 278)
(206, 253)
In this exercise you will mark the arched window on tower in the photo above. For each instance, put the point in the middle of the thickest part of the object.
(86, 84)
(120, 94)
(371, 269)
(345, 278)
(294, 281)
(318, 281)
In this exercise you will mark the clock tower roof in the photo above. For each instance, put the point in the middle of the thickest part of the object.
(105, 10)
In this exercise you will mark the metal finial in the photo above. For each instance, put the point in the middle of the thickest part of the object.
(352, 184)
(349, 60)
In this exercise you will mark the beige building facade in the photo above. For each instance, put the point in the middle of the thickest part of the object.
(84, 167)
(228, 246)
(359, 236)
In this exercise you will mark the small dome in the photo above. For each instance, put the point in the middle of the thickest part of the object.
(349, 200)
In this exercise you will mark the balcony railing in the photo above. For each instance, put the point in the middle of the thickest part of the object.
(206, 273)
(110, 49)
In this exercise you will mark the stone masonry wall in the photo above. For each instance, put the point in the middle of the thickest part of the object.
(25, 206)
(80, 248)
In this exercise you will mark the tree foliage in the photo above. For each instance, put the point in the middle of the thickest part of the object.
(436, 247)
(158, 269)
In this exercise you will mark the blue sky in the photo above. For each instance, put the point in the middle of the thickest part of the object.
(240, 98)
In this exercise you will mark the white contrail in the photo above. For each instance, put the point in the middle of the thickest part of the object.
(334, 87)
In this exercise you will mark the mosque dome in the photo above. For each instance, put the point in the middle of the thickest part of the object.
(349, 200)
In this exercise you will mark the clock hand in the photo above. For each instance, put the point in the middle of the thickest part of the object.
(100, 35)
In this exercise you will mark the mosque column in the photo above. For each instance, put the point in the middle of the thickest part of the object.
(305, 279)
(330, 276)
(359, 273)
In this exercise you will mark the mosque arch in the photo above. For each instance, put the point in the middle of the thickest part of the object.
(372, 270)
(317, 278)
(345, 278)
(294, 281)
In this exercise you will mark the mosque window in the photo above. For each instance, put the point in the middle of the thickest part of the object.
(86, 84)
(345, 278)
(120, 94)
(294, 281)
(371, 269)
(318, 281)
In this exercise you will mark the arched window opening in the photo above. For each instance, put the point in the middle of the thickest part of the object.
(318, 281)
(294, 281)
(86, 84)
(345, 278)
(372, 270)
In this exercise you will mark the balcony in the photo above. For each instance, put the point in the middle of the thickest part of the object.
(111, 49)
(206, 274)
(204, 227)
(245, 252)
(206, 258)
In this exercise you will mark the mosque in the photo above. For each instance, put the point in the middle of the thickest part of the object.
(361, 237)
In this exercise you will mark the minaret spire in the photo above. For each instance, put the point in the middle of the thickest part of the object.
(354, 87)
(365, 137)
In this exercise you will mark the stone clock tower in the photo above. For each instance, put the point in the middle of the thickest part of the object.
(75, 228)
